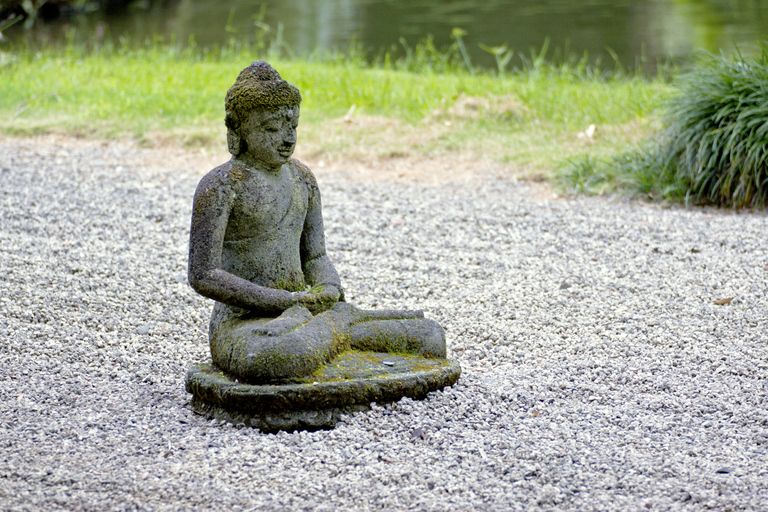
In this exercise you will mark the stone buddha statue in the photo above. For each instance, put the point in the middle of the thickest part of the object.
(257, 248)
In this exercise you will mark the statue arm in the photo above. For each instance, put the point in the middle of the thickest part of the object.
(210, 214)
(316, 265)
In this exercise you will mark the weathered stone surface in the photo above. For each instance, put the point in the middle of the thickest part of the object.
(296, 343)
(346, 385)
(280, 322)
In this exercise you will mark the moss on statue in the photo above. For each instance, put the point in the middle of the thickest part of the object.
(257, 247)
(259, 86)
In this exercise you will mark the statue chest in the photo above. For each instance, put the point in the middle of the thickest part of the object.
(265, 204)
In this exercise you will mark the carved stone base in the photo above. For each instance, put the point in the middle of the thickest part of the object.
(346, 385)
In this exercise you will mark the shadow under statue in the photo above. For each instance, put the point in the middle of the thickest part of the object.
(288, 351)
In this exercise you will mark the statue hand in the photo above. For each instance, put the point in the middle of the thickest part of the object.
(323, 300)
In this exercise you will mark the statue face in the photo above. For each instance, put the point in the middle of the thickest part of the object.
(271, 135)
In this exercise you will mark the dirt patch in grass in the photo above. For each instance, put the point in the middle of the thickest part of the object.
(352, 148)
(356, 147)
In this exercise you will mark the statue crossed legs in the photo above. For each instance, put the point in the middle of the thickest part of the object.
(296, 343)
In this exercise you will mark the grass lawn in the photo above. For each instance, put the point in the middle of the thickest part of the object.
(526, 122)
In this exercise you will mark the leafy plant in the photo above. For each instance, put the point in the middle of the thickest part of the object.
(585, 174)
(713, 147)
(458, 33)
(502, 54)
(9, 22)
(717, 134)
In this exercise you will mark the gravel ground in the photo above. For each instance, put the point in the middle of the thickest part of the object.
(598, 372)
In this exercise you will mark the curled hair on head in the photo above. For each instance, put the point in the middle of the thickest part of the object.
(258, 86)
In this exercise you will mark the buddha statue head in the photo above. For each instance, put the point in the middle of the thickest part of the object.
(257, 88)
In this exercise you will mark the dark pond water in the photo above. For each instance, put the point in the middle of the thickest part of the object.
(652, 30)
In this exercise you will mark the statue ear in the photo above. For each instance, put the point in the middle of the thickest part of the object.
(233, 142)
(233, 134)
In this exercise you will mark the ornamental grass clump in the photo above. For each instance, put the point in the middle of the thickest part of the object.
(714, 148)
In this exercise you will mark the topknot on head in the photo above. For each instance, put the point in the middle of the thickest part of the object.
(261, 71)
(258, 86)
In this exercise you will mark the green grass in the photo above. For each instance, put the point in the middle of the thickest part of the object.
(712, 149)
(527, 118)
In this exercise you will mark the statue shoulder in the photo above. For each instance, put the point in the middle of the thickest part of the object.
(219, 180)
(304, 173)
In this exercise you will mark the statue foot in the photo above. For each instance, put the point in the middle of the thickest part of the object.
(433, 340)
(414, 335)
